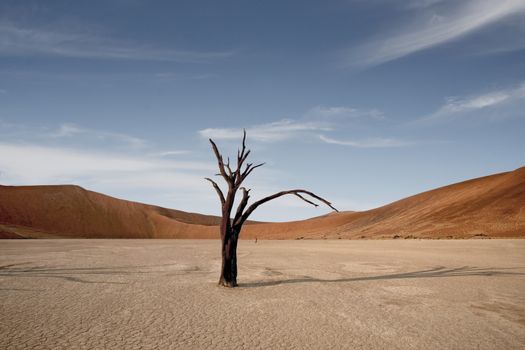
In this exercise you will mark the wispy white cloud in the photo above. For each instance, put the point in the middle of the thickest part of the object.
(173, 153)
(49, 164)
(171, 76)
(313, 121)
(323, 111)
(454, 21)
(419, 4)
(270, 132)
(343, 112)
(33, 163)
(378, 142)
(79, 137)
(456, 106)
(134, 177)
(72, 130)
(20, 41)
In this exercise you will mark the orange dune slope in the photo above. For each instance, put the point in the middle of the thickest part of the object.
(71, 211)
(491, 206)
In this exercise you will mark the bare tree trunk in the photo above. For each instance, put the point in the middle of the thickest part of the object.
(229, 259)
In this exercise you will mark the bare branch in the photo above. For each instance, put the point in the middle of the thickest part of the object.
(220, 162)
(238, 159)
(243, 158)
(230, 173)
(242, 154)
(218, 189)
(242, 205)
(243, 138)
(254, 206)
(249, 169)
(306, 200)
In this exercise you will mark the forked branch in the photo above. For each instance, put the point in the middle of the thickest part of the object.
(249, 168)
(297, 193)
(220, 162)
(218, 189)
(242, 205)
(242, 154)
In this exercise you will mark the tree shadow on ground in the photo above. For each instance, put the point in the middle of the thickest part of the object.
(435, 272)
(72, 274)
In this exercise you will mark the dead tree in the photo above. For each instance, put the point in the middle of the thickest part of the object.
(231, 226)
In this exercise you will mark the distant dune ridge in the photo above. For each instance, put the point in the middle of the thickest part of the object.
(491, 206)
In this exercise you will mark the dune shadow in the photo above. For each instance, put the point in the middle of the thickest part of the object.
(436, 272)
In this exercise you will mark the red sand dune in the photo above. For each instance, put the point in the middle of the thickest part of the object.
(491, 206)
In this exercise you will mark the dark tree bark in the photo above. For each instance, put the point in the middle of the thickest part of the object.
(231, 227)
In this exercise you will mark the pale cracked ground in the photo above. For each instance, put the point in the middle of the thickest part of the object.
(149, 294)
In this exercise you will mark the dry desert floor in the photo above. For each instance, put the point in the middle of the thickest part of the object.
(149, 294)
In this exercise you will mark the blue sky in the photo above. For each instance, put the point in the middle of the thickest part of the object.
(362, 102)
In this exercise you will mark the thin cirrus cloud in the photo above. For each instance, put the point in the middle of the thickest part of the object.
(455, 106)
(287, 129)
(315, 120)
(173, 153)
(419, 4)
(69, 134)
(37, 164)
(270, 132)
(456, 20)
(73, 130)
(46, 155)
(338, 112)
(377, 142)
(19, 41)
